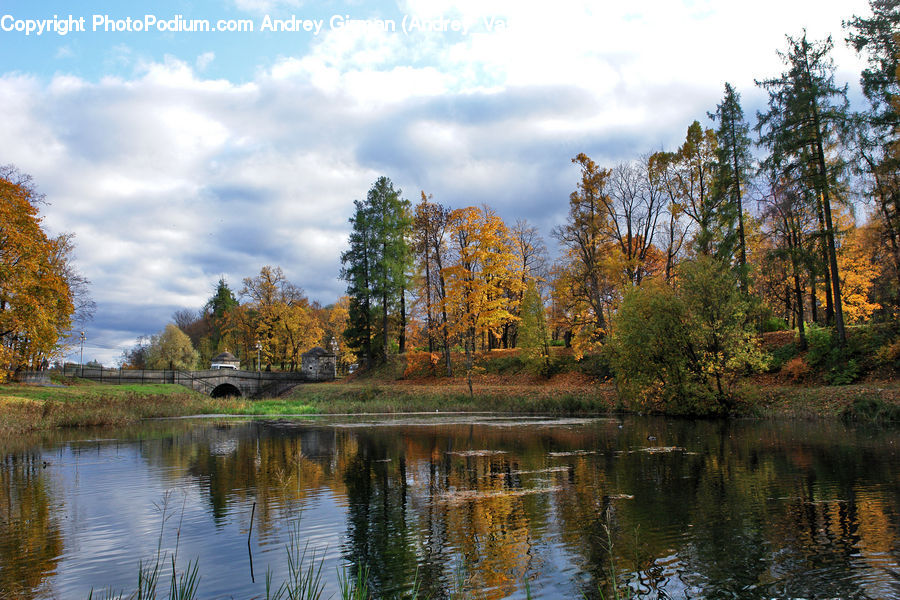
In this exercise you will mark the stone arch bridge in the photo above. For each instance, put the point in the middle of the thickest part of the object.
(213, 382)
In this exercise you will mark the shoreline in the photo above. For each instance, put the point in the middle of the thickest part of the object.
(28, 408)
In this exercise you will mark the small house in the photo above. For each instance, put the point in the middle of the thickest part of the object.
(318, 365)
(226, 360)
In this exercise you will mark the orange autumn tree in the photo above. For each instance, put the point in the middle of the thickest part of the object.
(481, 272)
(36, 303)
(584, 280)
(277, 316)
(858, 272)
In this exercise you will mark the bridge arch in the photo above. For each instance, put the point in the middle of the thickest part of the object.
(225, 389)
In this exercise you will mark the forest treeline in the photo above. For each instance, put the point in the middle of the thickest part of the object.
(672, 263)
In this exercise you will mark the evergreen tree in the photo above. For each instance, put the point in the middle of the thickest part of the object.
(879, 127)
(357, 272)
(732, 173)
(391, 222)
(878, 37)
(222, 301)
(376, 268)
(807, 113)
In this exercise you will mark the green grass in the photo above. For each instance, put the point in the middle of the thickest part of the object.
(385, 398)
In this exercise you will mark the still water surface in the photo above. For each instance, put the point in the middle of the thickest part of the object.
(472, 506)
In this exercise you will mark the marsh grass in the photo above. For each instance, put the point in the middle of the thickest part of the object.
(304, 580)
(25, 408)
(343, 398)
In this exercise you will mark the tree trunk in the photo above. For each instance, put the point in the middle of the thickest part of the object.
(823, 232)
(402, 339)
(829, 231)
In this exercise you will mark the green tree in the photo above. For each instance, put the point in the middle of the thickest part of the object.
(532, 331)
(806, 115)
(877, 36)
(376, 268)
(684, 347)
(732, 174)
(391, 222)
(171, 349)
(356, 270)
(217, 307)
(879, 127)
(694, 177)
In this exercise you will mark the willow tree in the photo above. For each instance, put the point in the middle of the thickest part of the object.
(807, 113)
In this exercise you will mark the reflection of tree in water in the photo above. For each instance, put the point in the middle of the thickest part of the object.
(752, 510)
(31, 539)
(764, 506)
(380, 532)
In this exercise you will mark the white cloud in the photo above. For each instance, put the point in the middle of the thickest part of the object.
(204, 60)
(171, 179)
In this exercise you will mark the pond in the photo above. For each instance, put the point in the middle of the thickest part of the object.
(480, 506)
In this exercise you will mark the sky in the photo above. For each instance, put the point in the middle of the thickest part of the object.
(178, 155)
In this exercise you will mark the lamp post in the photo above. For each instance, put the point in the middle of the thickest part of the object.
(81, 356)
(258, 358)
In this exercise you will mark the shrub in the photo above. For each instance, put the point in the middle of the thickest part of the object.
(781, 356)
(889, 355)
(843, 372)
(820, 342)
(421, 364)
(683, 348)
(796, 368)
(774, 324)
(871, 409)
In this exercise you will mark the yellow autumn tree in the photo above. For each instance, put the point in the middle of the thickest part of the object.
(583, 288)
(481, 272)
(275, 322)
(36, 302)
(336, 318)
(858, 275)
(858, 271)
(296, 330)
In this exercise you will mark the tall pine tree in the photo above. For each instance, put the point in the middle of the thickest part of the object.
(807, 113)
(376, 268)
(357, 272)
(732, 174)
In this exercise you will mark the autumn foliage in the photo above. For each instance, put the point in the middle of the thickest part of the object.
(36, 302)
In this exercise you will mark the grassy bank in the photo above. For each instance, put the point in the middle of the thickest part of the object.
(25, 408)
(558, 396)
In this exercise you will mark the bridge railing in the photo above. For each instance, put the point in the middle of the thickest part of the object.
(121, 376)
(107, 375)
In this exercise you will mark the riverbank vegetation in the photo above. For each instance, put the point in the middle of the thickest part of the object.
(673, 267)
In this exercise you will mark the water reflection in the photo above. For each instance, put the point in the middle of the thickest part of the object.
(30, 537)
(466, 506)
